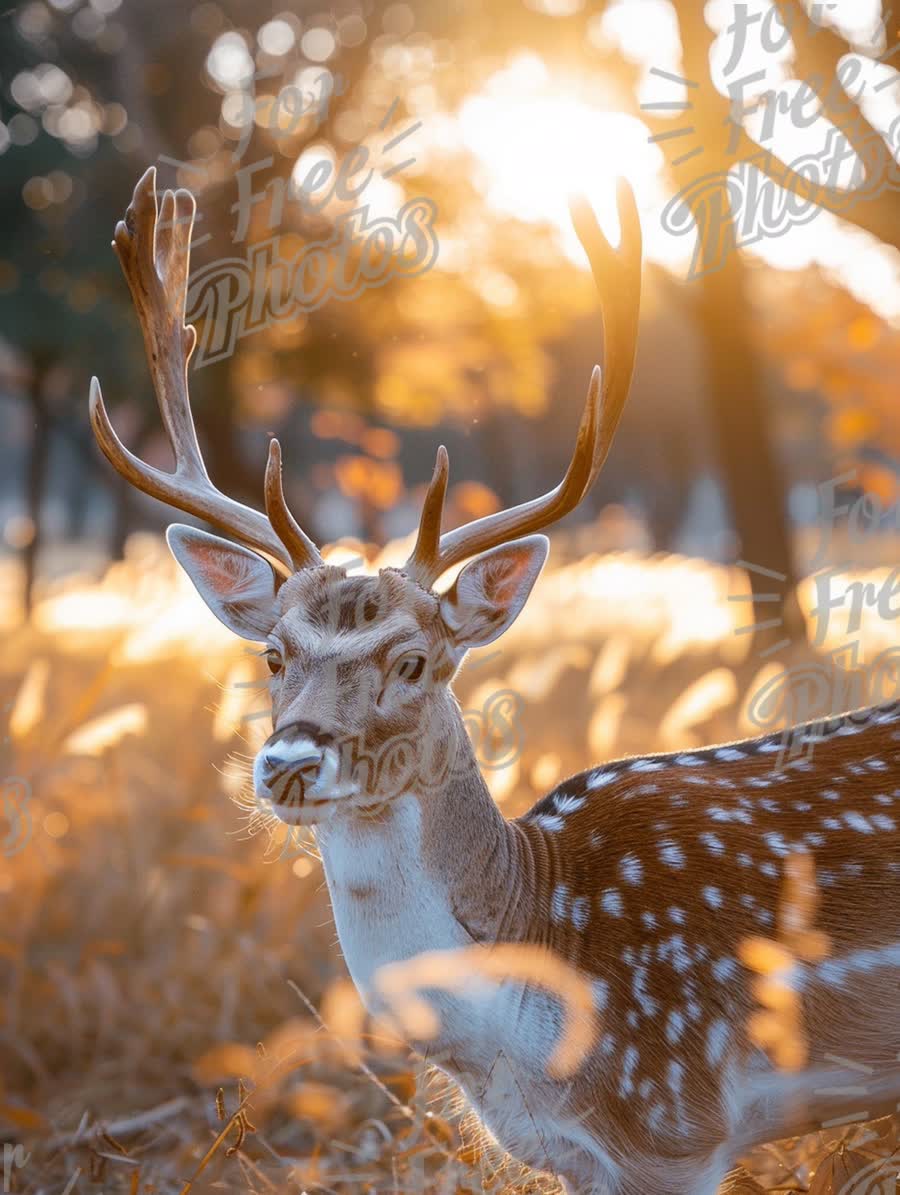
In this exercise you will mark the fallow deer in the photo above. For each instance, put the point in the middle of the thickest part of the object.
(645, 875)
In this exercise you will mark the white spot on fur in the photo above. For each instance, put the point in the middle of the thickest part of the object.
(647, 765)
(777, 844)
(713, 843)
(675, 951)
(559, 903)
(656, 1117)
(581, 912)
(671, 853)
(730, 815)
(856, 821)
(599, 779)
(716, 1042)
(724, 969)
(566, 804)
(549, 822)
(839, 970)
(630, 1059)
(631, 869)
(730, 754)
(674, 1027)
(611, 902)
(646, 1003)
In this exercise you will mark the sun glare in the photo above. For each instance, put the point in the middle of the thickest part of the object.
(538, 135)
(537, 141)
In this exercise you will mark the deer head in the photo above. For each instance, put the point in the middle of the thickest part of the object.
(361, 666)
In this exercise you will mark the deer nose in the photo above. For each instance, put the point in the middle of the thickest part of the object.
(276, 760)
(286, 769)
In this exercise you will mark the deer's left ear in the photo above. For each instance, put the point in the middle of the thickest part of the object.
(488, 595)
(236, 584)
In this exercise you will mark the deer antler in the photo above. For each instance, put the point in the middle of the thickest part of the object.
(154, 252)
(617, 273)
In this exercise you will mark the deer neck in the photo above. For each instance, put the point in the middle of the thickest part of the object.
(434, 871)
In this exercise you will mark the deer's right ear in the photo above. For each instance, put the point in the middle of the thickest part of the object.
(488, 595)
(238, 585)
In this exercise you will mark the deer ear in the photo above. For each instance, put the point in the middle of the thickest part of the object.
(488, 595)
(236, 584)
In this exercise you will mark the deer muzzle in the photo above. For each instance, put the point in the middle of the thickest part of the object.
(297, 773)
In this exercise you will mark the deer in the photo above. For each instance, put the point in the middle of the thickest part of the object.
(643, 875)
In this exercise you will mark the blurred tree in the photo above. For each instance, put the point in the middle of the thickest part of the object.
(96, 89)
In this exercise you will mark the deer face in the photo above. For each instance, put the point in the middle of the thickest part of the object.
(361, 667)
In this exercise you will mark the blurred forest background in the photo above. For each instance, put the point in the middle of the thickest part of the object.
(145, 949)
(755, 381)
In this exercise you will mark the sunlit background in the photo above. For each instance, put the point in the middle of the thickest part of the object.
(146, 939)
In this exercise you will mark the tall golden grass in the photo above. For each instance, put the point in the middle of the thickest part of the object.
(172, 994)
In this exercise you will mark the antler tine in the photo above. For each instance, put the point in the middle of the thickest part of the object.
(617, 273)
(425, 554)
(154, 252)
(303, 552)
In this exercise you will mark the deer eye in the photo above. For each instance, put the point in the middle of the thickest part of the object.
(411, 667)
(273, 659)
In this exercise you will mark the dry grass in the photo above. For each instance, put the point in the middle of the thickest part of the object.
(168, 999)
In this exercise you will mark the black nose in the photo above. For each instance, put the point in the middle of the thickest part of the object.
(290, 760)
(274, 763)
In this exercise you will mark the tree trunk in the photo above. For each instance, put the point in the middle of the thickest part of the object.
(750, 472)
